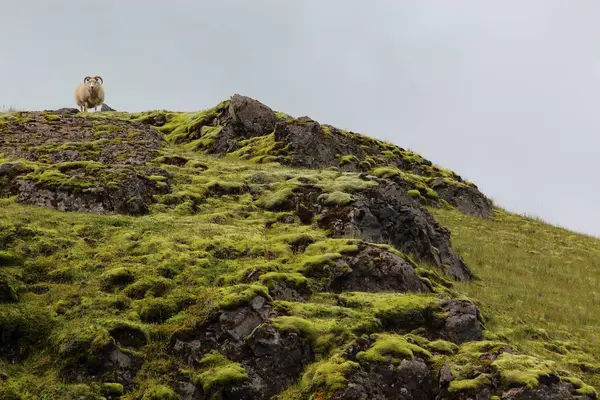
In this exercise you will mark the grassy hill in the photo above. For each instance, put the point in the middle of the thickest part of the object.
(241, 253)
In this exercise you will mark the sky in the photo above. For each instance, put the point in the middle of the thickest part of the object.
(505, 93)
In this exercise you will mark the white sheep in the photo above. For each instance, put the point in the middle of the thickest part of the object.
(90, 93)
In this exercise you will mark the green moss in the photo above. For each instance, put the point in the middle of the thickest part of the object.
(415, 193)
(234, 296)
(218, 372)
(157, 309)
(105, 129)
(396, 309)
(8, 257)
(522, 370)
(274, 200)
(159, 392)
(298, 281)
(582, 388)
(117, 277)
(386, 172)
(349, 159)
(148, 286)
(336, 198)
(470, 385)
(112, 389)
(330, 374)
(314, 264)
(390, 348)
(51, 117)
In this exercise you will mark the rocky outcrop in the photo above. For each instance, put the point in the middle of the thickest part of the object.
(81, 164)
(386, 215)
(375, 270)
(273, 359)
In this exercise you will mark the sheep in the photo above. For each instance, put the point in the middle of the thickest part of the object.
(90, 93)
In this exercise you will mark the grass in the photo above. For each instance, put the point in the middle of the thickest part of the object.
(538, 285)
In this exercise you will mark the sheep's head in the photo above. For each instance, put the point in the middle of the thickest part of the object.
(93, 81)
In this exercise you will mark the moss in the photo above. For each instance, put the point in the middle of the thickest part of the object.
(313, 264)
(218, 371)
(330, 374)
(386, 172)
(415, 193)
(442, 346)
(117, 277)
(275, 200)
(349, 159)
(390, 348)
(105, 129)
(8, 258)
(336, 198)
(51, 117)
(298, 281)
(148, 286)
(159, 392)
(470, 385)
(396, 309)
(112, 389)
(237, 295)
(157, 309)
(582, 388)
(522, 370)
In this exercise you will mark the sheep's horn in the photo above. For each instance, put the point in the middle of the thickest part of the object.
(86, 79)
(99, 77)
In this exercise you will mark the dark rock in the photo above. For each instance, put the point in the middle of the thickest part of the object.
(445, 376)
(106, 107)
(251, 116)
(66, 110)
(7, 293)
(385, 214)
(8, 172)
(468, 200)
(376, 270)
(273, 359)
(463, 323)
(282, 290)
(412, 379)
(131, 195)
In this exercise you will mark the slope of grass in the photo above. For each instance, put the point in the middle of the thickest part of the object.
(538, 286)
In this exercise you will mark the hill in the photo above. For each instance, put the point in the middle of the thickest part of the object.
(241, 253)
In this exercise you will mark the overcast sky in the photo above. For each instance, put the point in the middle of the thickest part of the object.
(506, 93)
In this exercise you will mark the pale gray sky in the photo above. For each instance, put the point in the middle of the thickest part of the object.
(506, 93)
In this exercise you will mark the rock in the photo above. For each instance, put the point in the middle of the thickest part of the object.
(273, 359)
(8, 172)
(386, 215)
(445, 376)
(251, 116)
(376, 270)
(468, 200)
(131, 195)
(463, 323)
(412, 379)
(106, 107)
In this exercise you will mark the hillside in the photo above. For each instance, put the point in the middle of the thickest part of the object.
(242, 253)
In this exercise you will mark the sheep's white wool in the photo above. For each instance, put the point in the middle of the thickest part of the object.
(90, 93)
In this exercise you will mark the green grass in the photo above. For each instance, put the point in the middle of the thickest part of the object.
(538, 285)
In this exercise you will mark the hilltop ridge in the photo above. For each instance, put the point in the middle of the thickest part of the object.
(243, 253)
